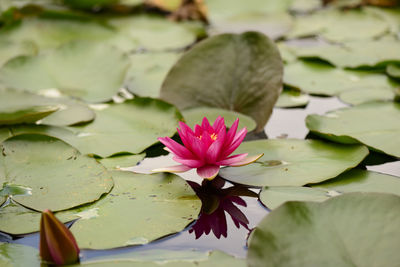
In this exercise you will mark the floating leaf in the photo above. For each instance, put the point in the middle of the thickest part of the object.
(195, 116)
(340, 25)
(58, 176)
(17, 220)
(130, 127)
(147, 72)
(153, 33)
(351, 181)
(122, 161)
(99, 76)
(355, 54)
(214, 74)
(351, 221)
(393, 70)
(139, 209)
(322, 79)
(18, 255)
(9, 50)
(24, 107)
(364, 95)
(51, 33)
(272, 25)
(292, 98)
(305, 5)
(294, 162)
(169, 258)
(375, 124)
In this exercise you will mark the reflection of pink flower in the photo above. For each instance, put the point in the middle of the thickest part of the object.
(207, 148)
(216, 203)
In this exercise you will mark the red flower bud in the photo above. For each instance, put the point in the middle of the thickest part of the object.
(57, 244)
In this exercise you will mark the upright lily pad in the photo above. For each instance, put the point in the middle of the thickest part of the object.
(130, 127)
(17, 220)
(375, 124)
(18, 255)
(195, 116)
(139, 209)
(292, 98)
(340, 25)
(170, 258)
(148, 71)
(352, 181)
(355, 54)
(99, 76)
(294, 162)
(58, 176)
(215, 74)
(25, 107)
(337, 232)
(322, 79)
(364, 95)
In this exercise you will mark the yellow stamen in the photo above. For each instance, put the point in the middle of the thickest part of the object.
(214, 136)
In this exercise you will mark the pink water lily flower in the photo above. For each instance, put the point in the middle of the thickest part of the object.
(207, 148)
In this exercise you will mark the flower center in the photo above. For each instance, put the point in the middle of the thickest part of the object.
(214, 136)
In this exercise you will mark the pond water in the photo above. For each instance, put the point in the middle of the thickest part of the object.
(284, 123)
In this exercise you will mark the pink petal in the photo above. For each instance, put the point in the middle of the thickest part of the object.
(205, 124)
(176, 168)
(214, 150)
(246, 161)
(232, 132)
(185, 128)
(219, 122)
(176, 148)
(198, 131)
(192, 163)
(237, 140)
(208, 171)
(232, 159)
(197, 147)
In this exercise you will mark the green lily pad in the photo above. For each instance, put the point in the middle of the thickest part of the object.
(322, 79)
(129, 127)
(340, 229)
(390, 15)
(355, 54)
(304, 6)
(348, 182)
(17, 220)
(152, 33)
(99, 76)
(139, 209)
(25, 107)
(51, 33)
(170, 258)
(393, 70)
(147, 72)
(16, 255)
(375, 124)
(293, 162)
(218, 9)
(272, 25)
(58, 176)
(195, 116)
(9, 50)
(340, 25)
(214, 74)
(123, 161)
(292, 98)
(364, 95)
